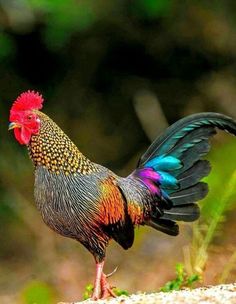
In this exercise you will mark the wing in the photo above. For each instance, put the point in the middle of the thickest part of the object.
(114, 214)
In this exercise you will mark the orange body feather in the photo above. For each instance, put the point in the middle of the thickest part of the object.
(112, 202)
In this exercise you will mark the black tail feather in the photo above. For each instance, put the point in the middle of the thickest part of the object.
(170, 138)
(186, 213)
(189, 195)
(191, 139)
(194, 174)
(166, 226)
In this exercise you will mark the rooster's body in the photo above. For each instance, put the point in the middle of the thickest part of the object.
(87, 202)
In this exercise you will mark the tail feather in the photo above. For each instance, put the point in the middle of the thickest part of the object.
(191, 139)
(189, 195)
(194, 174)
(163, 225)
(173, 165)
(191, 156)
(164, 143)
(187, 213)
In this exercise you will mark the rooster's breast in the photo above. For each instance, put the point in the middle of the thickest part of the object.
(69, 204)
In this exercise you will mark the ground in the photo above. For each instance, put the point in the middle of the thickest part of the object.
(205, 295)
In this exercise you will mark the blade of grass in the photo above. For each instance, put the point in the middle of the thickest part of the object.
(228, 268)
(221, 206)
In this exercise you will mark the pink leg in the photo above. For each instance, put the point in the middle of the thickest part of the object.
(97, 284)
(102, 288)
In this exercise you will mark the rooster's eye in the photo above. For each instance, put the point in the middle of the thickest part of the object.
(30, 116)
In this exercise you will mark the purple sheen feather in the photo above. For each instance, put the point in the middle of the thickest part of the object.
(151, 186)
(149, 173)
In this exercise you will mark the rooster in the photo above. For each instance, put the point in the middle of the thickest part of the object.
(87, 202)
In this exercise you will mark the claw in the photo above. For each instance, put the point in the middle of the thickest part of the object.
(111, 273)
(108, 293)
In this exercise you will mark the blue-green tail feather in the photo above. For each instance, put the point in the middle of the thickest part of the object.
(176, 157)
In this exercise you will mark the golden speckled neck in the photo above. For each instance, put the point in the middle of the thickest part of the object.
(53, 149)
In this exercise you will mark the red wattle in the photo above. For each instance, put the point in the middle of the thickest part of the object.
(22, 135)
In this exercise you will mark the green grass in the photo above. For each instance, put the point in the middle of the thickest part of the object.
(220, 200)
(88, 291)
(182, 280)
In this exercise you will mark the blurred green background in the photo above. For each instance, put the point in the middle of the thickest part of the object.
(114, 74)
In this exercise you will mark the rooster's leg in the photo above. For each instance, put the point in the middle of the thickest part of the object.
(106, 288)
(97, 284)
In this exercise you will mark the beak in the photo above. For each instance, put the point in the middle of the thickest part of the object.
(14, 125)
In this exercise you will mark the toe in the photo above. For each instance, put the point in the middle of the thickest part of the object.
(106, 288)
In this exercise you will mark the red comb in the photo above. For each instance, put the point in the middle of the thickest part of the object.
(29, 100)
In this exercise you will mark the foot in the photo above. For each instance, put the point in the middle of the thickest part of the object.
(102, 288)
(106, 289)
